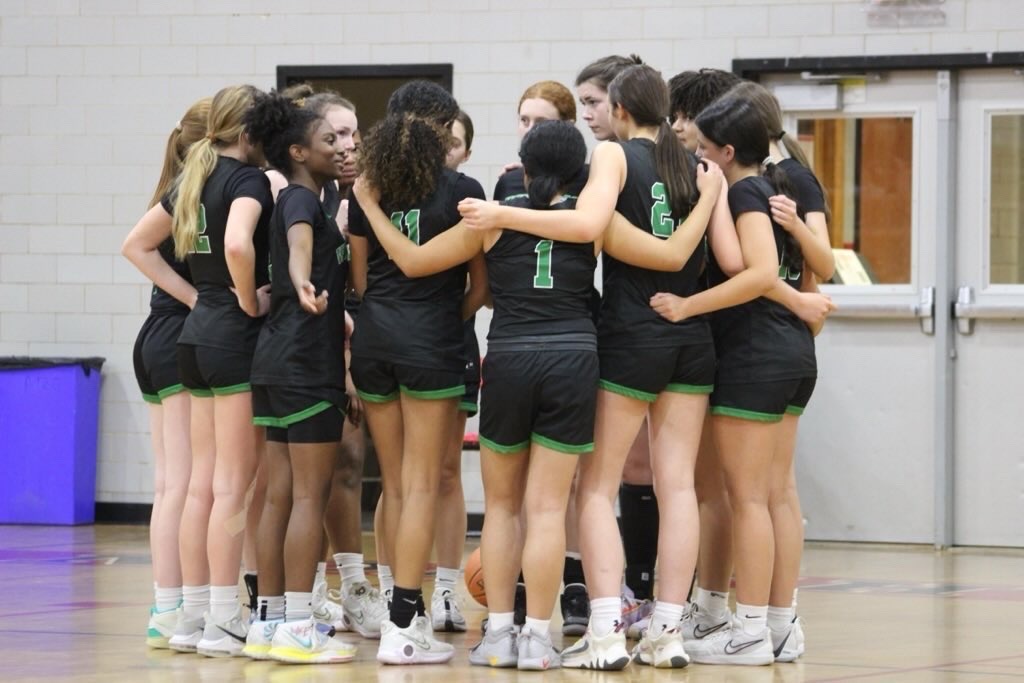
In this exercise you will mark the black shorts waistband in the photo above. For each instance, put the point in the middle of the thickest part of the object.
(570, 341)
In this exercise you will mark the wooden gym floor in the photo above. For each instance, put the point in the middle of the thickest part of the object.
(74, 604)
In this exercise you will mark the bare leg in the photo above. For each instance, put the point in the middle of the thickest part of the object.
(385, 423)
(714, 564)
(274, 519)
(787, 517)
(344, 508)
(312, 465)
(173, 475)
(450, 526)
(195, 516)
(504, 476)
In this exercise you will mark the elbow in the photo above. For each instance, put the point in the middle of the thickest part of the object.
(733, 267)
(766, 279)
(235, 249)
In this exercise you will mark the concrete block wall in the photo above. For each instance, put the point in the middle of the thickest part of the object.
(90, 88)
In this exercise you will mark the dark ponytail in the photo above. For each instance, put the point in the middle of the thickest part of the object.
(553, 153)
(642, 92)
(733, 120)
(277, 122)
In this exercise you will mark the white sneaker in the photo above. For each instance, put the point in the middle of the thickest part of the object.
(637, 629)
(161, 626)
(789, 644)
(697, 625)
(535, 652)
(259, 638)
(187, 633)
(663, 652)
(607, 653)
(414, 644)
(497, 649)
(223, 639)
(733, 646)
(446, 612)
(364, 608)
(301, 642)
(326, 611)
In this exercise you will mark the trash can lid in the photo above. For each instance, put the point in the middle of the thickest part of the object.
(28, 362)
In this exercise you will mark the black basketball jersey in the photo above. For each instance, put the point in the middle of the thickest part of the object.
(414, 321)
(761, 340)
(217, 320)
(540, 287)
(296, 348)
(809, 195)
(627, 319)
(513, 185)
(332, 199)
(160, 301)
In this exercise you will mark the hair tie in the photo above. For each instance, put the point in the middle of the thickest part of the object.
(211, 137)
(300, 102)
(177, 126)
(781, 133)
(767, 162)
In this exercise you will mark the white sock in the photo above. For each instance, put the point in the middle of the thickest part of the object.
(298, 606)
(321, 573)
(387, 581)
(445, 580)
(574, 556)
(754, 618)
(712, 603)
(795, 590)
(223, 602)
(195, 600)
(666, 615)
(499, 620)
(779, 618)
(605, 613)
(350, 566)
(270, 607)
(167, 598)
(540, 626)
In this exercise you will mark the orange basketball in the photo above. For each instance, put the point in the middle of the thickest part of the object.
(474, 573)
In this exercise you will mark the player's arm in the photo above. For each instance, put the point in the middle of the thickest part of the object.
(240, 254)
(357, 267)
(141, 247)
(300, 266)
(762, 272)
(642, 249)
(447, 250)
(585, 223)
(479, 293)
(722, 237)
(811, 234)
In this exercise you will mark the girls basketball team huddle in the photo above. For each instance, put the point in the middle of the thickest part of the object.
(304, 278)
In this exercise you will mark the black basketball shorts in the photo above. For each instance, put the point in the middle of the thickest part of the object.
(644, 373)
(763, 401)
(544, 397)
(155, 356)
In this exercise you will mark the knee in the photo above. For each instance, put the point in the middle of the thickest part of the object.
(348, 471)
(451, 481)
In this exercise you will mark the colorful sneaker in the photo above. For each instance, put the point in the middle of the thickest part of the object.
(575, 609)
(301, 642)
(666, 651)
(161, 627)
(446, 612)
(364, 607)
(733, 646)
(636, 614)
(259, 638)
(187, 633)
(223, 639)
(789, 644)
(414, 644)
(497, 650)
(697, 625)
(607, 653)
(325, 610)
(536, 653)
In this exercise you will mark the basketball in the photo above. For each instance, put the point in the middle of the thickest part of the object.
(475, 578)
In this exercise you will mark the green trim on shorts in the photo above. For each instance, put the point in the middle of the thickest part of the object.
(151, 398)
(794, 410)
(287, 420)
(627, 391)
(469, 407)
(200, 393)
(568, 449)
(745, 414)
(170, 391)
(434, 394)
(233, 389)
(377, 398)
(504, 450)
(690, 388)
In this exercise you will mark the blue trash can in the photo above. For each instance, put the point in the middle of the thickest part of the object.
(48, 435)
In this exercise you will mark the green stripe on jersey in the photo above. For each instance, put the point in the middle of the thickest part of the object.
(151, 398)
(745, 414)
(794, 410)
(568, 449)
(504, 450)
(627, 391)
(170, 391)
(690, 388)
(201, 393)
(434, 394)
(233, 389)
(287, 420)
(377, 398)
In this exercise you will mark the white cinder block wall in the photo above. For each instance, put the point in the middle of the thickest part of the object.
(90, 88)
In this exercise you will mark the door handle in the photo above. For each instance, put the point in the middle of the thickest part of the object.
(966, 310)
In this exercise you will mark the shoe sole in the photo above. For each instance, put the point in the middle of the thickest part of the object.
(389, 658)
(496, 664)
(215, 649)
(543, 664)
(258, 652)
(617, 664)
(181, 647)
(572, 629)
(158, 642)
(294, 655)
(449, 626)
(739, 660)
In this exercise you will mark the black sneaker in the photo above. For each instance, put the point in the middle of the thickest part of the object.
(575, 609)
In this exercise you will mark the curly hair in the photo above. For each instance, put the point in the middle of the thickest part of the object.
(403, 156)
(691, 91)
(275, 122)
(424, 99)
